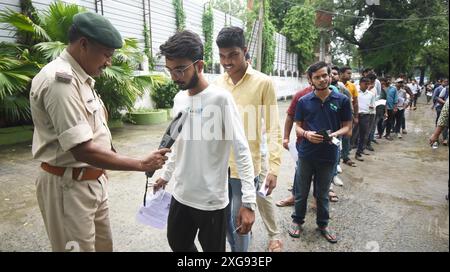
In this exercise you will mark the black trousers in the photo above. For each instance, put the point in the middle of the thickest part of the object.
(399, 120)
(363, 125)
(184, 222)
(389, 122)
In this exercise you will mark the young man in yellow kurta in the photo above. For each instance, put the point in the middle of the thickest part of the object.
(254, 94)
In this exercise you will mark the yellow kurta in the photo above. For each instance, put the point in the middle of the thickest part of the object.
(255, 97)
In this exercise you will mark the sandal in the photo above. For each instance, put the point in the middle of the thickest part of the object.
(350, 163)
(333, 196)
(275, 246)
(329, 236)
(295, 230)
(285, 202)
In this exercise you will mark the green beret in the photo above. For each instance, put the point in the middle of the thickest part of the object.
(98, 28)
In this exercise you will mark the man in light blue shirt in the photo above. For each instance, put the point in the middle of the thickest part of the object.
(391, 106)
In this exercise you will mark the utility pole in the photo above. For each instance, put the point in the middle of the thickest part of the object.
(260, 36)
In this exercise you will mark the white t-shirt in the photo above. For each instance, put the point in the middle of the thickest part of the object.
(413, 87)
(402, 98)
(199, 159)
(366, 100)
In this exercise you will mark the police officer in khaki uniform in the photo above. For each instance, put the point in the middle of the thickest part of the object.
(72, 140)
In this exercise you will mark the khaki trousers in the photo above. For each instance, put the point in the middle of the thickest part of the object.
(266, 205)
(75, 213)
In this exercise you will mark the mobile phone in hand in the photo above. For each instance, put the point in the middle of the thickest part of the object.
(324, 133)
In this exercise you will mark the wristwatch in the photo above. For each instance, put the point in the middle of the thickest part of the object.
(251, 206)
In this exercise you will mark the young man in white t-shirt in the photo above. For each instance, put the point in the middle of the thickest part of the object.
(199, 162)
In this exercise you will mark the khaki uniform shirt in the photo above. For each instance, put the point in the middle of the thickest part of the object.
(256, 99)
(66, 112)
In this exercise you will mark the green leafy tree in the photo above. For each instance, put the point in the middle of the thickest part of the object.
(299, 28)
(180, 16)
(235, 8)
(390, 46)
(208, 28)
(279, 10)
(268, 44)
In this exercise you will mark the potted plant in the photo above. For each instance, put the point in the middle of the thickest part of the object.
(162, 95)
(146, 116)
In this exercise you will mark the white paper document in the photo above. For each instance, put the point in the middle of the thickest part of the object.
(156, 211)
(293, 150)
(263, 190)
(380, 102)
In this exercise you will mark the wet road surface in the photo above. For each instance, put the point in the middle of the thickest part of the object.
(393, 201)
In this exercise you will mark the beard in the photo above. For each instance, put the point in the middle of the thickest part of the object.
(334, 82)
(320, 87)
(191, 84)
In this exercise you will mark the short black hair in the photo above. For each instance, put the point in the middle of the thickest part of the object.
(335, 68)
(184, 44)
(316, 67)
(231, 36)
(383, 79)
(367, 70)
(364, 79)
(372, 76)
(344, 68)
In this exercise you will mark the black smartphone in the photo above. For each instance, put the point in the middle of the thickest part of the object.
(324, 133)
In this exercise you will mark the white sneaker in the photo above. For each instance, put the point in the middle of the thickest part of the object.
(338, 181)
(399, 135)
(339, 169)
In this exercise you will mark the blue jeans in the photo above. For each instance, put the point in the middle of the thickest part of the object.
(345, 148)
(335, 172)
(323, 174)
(238, 242)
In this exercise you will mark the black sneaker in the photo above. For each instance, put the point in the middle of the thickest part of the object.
(358, 157)
(370, 148)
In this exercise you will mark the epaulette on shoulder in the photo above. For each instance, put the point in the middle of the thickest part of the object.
(63, 76)
(63, 72)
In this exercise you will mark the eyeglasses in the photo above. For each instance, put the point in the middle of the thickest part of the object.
(178, 73)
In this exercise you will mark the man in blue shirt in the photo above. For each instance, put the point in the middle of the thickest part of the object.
(318, 114)
(391, 106)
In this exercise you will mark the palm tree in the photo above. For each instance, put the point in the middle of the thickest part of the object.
(118, 86)
(47, 37)
(16, 73)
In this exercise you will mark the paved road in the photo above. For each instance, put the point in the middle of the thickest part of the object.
(393, 201)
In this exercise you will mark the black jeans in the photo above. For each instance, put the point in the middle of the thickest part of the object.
(184, 222)
(399, 120)
(380, 120)
(363, 125)
(389, 122)
(323, 174)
